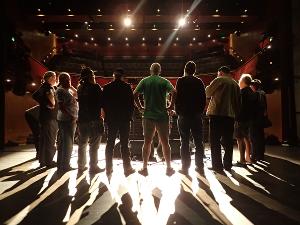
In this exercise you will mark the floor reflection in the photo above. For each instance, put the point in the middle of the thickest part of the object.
(262, 193)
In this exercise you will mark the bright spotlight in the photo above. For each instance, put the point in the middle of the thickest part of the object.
(127, 22)
(181, 22)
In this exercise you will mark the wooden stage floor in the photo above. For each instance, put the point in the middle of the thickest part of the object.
(267, 192)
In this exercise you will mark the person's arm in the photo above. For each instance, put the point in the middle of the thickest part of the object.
(202, 96)
(139, 89)
(51, 98)
(212, 87)
(172, 92)
(61, 103)
(130, 101)
(74, 91)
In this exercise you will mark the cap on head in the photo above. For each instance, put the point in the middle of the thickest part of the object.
(224, 69)
(256, 83)
(155, 68)
(190, 68)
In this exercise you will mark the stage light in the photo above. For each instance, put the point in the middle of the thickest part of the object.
(158, 10)
(126, 38)
(85, 43)
(246, 10)
(181, 22)
(76, 35)
(99, 10)
(194, 39)
(86, 22)
(71, 40)
(95, 44)
(271, 62)
(92, 39)
(209, 35)
(127, 22)
(108, 38)
(177, 38)
(33, 84)
(143, 38)
(269, 46)
(159, 38)
(8, 80)
(276, 79)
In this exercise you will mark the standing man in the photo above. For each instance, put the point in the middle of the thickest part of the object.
(118, 106)
(90, 123)
(257, 128)
(45, 96)
(189, 105)
(155, 114)
(223, 107)
(67, 115)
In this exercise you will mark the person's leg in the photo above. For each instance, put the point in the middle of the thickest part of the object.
(228, 142)
(247, 149)
(109, 149)
(197, 132)
(184, 132)
(42, 143)
(60, 145)
(70, 127)
(94, 142)
(124, 129)
(83, 137)
(163, 134)
(241, 147)
(215, 127)
(51, 135)
(149, 130)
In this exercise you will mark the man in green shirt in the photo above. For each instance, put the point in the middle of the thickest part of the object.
(155, 89)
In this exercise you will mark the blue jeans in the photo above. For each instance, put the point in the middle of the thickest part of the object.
(186, 126)
(66, 132)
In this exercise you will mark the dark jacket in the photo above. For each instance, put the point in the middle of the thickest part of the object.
(47, 112)
(118, 101)
(248, 105)
(190, 96)
(90, 102)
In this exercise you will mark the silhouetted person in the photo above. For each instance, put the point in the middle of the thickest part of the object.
(244, 119)
(32, 119)
(189, 105)
(67, 115)
(90, 123)
(45, 96)
(223, 107)
(257, 127)
(118, 105)
(155, 114)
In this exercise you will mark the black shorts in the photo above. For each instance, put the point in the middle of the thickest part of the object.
(242, 129)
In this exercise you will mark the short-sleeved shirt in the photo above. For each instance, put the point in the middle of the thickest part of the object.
(47, 112)
(69, 102)
(155, 90)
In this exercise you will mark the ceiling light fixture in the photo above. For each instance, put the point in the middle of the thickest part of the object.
(127, 22)
(181, 22)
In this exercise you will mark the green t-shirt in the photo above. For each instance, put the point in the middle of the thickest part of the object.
(155, 89)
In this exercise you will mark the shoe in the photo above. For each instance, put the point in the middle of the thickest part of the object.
(170, 171)
(129, 171)
(143, 172)
(184, 171)
(240, 164)
(216, 169)
(96, 169)
(228, 169)
(68, 168)
(81, 169)
(199, 170)
(51, 164)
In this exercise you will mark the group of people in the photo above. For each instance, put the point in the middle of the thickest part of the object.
(231, 105)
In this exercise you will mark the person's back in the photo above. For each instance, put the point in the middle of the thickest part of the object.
(118, 101)
(248, 104)
(155, 89)
(90, 101)
(190, 98)
(225, 97)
